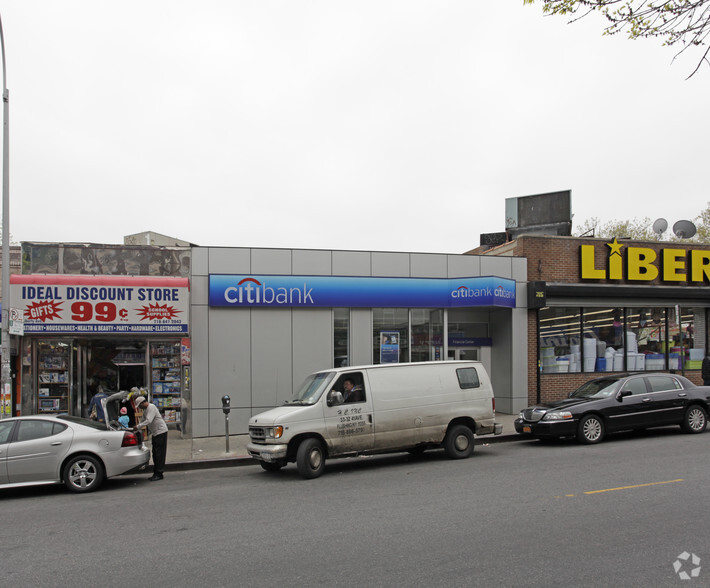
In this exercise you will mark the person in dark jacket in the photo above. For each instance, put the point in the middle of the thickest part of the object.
(96, 404)
(705, 370)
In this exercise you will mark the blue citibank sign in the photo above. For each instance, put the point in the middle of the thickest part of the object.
(362, 292)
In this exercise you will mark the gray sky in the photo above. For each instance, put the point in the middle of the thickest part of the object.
(398, 125)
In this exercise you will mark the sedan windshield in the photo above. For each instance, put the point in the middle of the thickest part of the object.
(600, 388)
(311, 390)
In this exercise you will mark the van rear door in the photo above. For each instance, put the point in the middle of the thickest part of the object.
(349, 425)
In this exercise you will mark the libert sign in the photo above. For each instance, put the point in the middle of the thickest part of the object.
(359, 292)
(645, 264)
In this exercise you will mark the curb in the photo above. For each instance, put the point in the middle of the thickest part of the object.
(230, 462)
(204, 464)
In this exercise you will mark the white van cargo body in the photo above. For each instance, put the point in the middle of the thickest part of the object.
(364, 410)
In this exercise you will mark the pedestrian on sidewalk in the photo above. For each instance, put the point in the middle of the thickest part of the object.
(159, 430)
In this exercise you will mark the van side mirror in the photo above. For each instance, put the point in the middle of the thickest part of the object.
(335, 398)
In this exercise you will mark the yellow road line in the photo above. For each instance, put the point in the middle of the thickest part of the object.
(636, 486)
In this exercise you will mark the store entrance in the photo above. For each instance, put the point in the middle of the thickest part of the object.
(113, 365)
(131, 376)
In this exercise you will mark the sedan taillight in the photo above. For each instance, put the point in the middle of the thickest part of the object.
(129, 439)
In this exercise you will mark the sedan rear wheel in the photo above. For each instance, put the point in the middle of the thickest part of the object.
(591, 429)
(695, 419)
(83, 473)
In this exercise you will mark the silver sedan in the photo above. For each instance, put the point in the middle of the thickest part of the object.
(64, 449)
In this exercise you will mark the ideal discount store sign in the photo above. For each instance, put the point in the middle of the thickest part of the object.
(101, 304)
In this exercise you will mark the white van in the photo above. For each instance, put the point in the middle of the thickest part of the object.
(361, 410)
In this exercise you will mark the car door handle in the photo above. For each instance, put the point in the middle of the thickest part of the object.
(54, 443)
(647, 399)
(682, 394)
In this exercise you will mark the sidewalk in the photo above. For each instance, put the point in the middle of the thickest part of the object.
(211, 452)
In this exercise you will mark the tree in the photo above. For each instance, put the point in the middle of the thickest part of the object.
(642, 230)
(679, 23)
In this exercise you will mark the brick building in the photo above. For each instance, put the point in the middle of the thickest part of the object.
(598, 305)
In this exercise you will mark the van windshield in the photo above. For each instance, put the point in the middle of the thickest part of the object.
(312, 388)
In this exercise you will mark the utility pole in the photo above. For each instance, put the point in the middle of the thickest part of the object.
(5, 372)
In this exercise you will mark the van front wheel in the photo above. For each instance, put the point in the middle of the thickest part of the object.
(458, 442)
(310, 458)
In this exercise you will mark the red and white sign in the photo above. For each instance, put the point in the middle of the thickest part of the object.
(101, 304)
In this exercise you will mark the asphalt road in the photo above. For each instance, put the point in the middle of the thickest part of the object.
(515, 514)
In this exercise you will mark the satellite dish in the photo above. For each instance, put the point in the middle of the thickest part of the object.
(684, 229)
(660, 225)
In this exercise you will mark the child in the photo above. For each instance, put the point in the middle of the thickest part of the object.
(123, 419)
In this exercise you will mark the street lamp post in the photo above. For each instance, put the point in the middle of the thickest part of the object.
(5, 372)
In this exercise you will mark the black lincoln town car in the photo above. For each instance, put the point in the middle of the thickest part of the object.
(621, 402)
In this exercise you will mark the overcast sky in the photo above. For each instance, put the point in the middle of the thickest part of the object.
(397, 125)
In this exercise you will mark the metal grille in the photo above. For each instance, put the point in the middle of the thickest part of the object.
(257, 434)
(533, 414)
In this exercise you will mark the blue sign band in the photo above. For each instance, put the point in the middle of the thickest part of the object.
(359, 292)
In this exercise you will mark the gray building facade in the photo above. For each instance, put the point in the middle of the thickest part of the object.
(259, 354)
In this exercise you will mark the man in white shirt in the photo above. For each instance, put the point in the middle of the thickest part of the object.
(157, 427)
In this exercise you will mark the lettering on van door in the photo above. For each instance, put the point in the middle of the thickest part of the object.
(348, 414)
(351, 421)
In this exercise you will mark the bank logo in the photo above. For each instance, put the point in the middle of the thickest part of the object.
(687, 566)
(252, 291)
(501, 292)
(466, 292)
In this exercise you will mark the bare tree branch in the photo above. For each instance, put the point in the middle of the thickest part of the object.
(682, 22)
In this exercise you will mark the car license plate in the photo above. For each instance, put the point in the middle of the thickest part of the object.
(527, 429)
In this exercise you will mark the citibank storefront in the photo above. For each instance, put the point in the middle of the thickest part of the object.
(265, 318)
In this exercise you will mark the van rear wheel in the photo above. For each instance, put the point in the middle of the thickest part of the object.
(458, 443)
(310, 458)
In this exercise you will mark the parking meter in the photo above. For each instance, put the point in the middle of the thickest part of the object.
(225, 409)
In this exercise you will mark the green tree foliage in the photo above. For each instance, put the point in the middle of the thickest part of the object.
(684, 24)
(642, 229)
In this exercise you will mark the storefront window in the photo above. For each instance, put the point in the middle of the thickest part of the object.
(646, 331)
(648, 338)
(603, 330)
(560, 340)
(53, 377)
(390, 335)
(686, 343)
(427, 334)
(341, 337)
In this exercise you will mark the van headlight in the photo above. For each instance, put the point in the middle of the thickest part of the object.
(557, 415)
(275, 432)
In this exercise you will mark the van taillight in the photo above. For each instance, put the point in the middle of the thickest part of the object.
(494, 403)
(129, 439)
